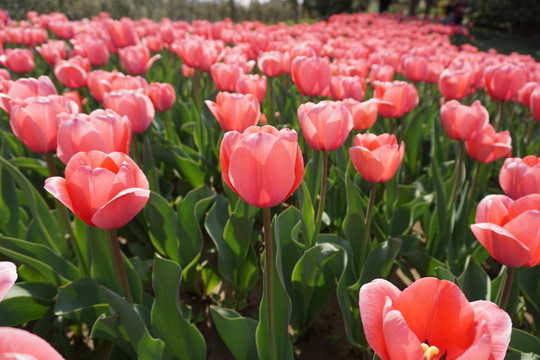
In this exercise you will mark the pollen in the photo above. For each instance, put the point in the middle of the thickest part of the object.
(429, 351)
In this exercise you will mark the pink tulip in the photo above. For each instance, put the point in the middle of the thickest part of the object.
(376, 158)
(463, 122)
(534, 103)
(92, 48)
(364, 114)
(53, 51)
(134, 104)
(24, 88)
(325, 125)
(269, 63)
(381, 73)
(104, 190)
(524, 94)
(21, 344)
(34, 121)
(347, 87)
(415, 68)
(102, 130)
(136, 59)
(72, 73)
(20, 61)
(399, 97)
(509, 229)
(225, 76)
(262, 165)
(489, 146)
(121, 33)
(197, 53)
(431, 317)
(520, 177)
(311, 75)
(162, 95)
(235, 111)
(252, 84)
(8, 276)
(455, 84)
(503, 81)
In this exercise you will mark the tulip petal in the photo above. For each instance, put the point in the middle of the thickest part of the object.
(501, 244)
(220, 117)
(493, 209)
(121, 209)
(28, 131)
(371, 300)
(499, 326)
(526, 228)
(404, 344)
(480, 350)
(366, 163)
(77, 135)
(8, 276)
(57, 187)
(17, 342)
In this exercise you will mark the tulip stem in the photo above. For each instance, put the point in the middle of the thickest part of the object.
(470, 198)
(529, 132)
(120, 272)
(269, 283)
(369, 215)
(538, 150)
(135, 149)
(71, 241)
(498, 124)
(507, 287)
(271, 119)
(322, 199)
(457, 177)
(402, 129)
(168, 130)
(197, 85)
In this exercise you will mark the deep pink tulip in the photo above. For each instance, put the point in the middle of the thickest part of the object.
(24, 88)
(136, 59)
(520, 177)
(431, 319)
(72, 73)
(325, 125)
(263, 165)
(364, 114)
(235, 111)
(415, 68)
(18, 60)
(381, 73)
(162, 95)
(8, 276)
(134, 104)
(121, 33)
(269, 63)
(311, 75)
(34, 121)
(399, 97)
(252, 84)
(102, 130)
(455, 84)
(510, 229)
(463, 122)
(225, 76)
(503, 81)
(347, 87)
(489, 146)
(103, 190)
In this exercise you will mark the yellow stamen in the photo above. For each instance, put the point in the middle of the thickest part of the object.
(429, 351)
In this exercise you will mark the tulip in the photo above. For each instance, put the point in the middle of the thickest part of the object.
(381, 73)
(121, 33)
(252, 84)
(520, 177)
(99, 83)
(524, 94)
(225, 76)
(509, 229)
(263, 165)
(20, 61)
(415, 68)
(399, 97)
(92, 48)
(503, 81)
(347, 87)
(489, 146)
(103, 190)
(34, 121)
(235, 111)
(136, 59)
(162, 95)
(455, 84)
(134, 104)
(269, 63)
(463, 122)
(325, 125)
(364, 114)
(431, 317)
(72, 73)
(187, 71)
(197, 53)
(102, 130)
(534, 103)
(53, 51)
(24, 88)
(311, 75)
(21, 344)
(8, 275)
(376, 158)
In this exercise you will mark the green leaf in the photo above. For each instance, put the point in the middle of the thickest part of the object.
(9, 206)
(474, 281)
(26, 302)
(236, 331)
(425, 264)
(308, 214)
(109, 328)
(162, 224)
(145, 346)
(353, 223)
(182, 338)
(81, 301)
(524, 342)
(380, 261)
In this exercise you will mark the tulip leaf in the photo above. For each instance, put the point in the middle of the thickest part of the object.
(25, 302)
(524, 342)
(109, 328)
(9, 206)
(423, 263)
(308, 214)
(145, 346)
(182, 338)
(236, 331)
(474, 281)
(353, 224)
(162, 224)
(380, 260)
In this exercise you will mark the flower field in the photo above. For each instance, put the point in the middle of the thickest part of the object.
(175, 190)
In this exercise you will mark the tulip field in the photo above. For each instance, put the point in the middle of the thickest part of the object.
(356, 188)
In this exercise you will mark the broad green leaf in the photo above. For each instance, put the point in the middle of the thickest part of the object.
(182, 338)
(109, 328)
(236, 331)
(474, 281)
(9, 204)
(82, 301)
(353, 224)
(425, 264)
(524, 342)
(379, 262)
(308, 214)
(162, 224)
(26, 302)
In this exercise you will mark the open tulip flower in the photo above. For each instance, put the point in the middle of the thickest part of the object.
(399, 98)
(311, 75)
(325, 125)
(225, 76)
(431, 319)
(463, 122)
(263, 165)
(489, 146)
(136, 59)
(20, 61)
(134, 104)
(24, 88)
(376, 158)
(519, 177)
(455, 84)
(104, 190)
(510, 229)
(235, 111)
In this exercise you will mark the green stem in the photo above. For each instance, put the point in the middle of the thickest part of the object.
(269, 283)
(538, 150)
(369, 215)
(197, 84)
(120, 272)
(507, 287)
(168, 130)
(470, 198)
(457, 177)
(135, 149)
(272, 114)
(324, 176)
(498, 124)
(402, 129)
(529, 131)
(71, 241)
